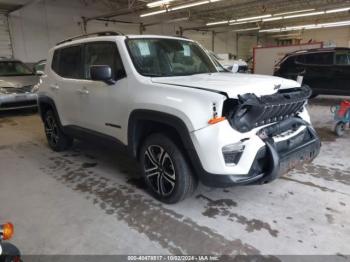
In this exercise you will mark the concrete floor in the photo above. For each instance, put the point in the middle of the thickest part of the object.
(89, 201)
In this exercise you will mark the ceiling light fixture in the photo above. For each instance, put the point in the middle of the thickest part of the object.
(159, 3)
(179, 7)
(272, 19)
(253, 18)
(217, 23)
(338, 10)
(153, 13)
(305, 14)
(295, 12)
(189, 5)
(280, 16)
(306, 27)
(246, 22)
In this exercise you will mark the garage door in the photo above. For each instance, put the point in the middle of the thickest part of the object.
(5, 39)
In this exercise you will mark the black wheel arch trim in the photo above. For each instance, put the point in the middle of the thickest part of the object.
(45, 100)
(167, 119)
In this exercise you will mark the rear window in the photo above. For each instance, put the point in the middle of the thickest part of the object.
(67, 62)
(342, 57)
(324, 58)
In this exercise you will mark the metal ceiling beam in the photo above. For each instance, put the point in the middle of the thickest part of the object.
(123, 11)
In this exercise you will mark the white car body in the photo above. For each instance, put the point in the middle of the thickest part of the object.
(194, 99)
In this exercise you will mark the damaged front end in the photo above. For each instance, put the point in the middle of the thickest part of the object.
(289, 140)
(249, 111)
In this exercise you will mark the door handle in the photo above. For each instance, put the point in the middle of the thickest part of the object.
(83, 91)
(54, 87)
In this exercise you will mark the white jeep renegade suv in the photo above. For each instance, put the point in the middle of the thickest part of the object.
(163, 99)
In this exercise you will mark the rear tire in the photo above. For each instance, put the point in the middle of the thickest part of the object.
(58, 141)
(165, 170)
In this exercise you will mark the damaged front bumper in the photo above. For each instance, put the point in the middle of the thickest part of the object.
(276, 157)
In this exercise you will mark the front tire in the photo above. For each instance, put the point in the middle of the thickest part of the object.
(58, 141)
(165, 170)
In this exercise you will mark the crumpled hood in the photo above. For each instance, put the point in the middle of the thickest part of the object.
(232, 84)
(18, 81)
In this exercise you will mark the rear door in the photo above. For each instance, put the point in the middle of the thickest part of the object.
(68, 73)
(342, 72)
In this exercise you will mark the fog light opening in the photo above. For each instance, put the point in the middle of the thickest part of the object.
(232, 153)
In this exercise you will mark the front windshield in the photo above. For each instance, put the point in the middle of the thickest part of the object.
(169, 57)
(14, 68)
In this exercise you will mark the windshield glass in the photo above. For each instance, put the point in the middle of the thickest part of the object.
(169, 57)
(14, 68)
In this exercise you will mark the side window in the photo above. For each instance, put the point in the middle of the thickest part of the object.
(103, 53)
(67, 62)
(342, 58)
(325, 58)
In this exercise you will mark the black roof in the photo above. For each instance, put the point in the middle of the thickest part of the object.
(315, 50)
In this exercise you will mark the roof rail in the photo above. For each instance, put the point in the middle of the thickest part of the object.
(103, 33)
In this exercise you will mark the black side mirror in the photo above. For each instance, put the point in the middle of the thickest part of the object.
(102, 73)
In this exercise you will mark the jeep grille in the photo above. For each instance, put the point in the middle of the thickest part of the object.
(252, 111)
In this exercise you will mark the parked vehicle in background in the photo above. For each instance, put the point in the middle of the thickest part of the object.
(17, 85)
(325, 70)
(164, 99)
(235, 66)
(39, 67)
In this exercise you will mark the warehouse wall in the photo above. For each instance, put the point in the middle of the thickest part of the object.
(223, 42)
(338, 36)
(38, 27)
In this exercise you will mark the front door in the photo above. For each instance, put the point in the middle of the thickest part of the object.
(102, 104)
